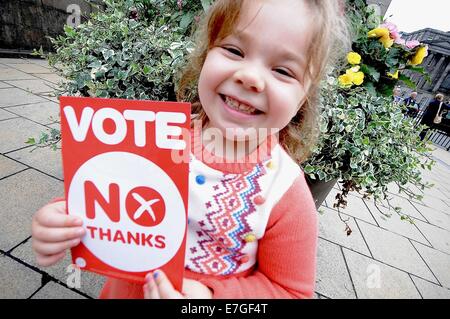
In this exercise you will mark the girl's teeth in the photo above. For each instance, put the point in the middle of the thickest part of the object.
(239, 106)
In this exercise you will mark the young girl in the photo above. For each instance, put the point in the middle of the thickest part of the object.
(252, 229)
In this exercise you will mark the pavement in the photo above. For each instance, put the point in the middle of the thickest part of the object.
(382, 258)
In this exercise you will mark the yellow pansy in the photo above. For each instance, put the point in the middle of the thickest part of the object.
(353, 58)
(345, 80)
(351, 76)
(393, 76)
(358, 78)
(387, 42)
(383, 35)
(421, 53)
(379, 33)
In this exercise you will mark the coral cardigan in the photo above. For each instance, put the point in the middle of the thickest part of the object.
(252, 228)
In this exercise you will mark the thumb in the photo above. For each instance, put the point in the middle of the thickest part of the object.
(166, 290)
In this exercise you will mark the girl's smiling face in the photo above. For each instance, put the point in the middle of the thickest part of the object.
(254, 78)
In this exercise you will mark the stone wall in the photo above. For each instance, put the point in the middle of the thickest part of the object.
(25, 24)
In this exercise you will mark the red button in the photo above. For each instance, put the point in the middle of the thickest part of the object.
(244, 259)
(259, 200)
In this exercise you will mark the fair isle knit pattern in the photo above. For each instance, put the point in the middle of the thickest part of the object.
(225, 224)
(225, 209)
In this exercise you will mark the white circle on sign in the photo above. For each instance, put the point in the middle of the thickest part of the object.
(128, 171)
(80, 262)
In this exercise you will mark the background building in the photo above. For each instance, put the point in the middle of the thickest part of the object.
(437, 64)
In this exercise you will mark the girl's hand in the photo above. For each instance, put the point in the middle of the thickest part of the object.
(54, 232)
(158, 286)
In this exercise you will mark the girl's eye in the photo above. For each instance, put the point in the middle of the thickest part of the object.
(234, 51)
(284, 72)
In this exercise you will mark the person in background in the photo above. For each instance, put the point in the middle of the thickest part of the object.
(412, 107)
(397, 95)
(431, 111)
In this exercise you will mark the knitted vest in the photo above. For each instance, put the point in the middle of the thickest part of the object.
(229, 212)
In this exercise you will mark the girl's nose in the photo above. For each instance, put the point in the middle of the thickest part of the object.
(250, 79)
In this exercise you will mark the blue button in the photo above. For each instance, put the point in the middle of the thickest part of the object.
(200, 179)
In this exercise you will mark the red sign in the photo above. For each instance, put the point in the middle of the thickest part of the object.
(122, 178)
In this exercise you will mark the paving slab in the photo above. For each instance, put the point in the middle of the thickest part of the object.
(30, 68)
(9, 166)
(443, 187)
(8, 73)
(51, 97)
(43, 112)
(41, 62)
(21, 196)
(15, 132)
(43, 159)
(435, 203)
(49, 77)
(14, 61)
(375, 280)
(438, 237)
(443, 155)
(412, 188)
(17, 281)
(33, 86)
(448, 204)
(332, 276)
(355, 207)
(434, 217)
(4, 85)
(90, 283)
(333, 229)
(5, 115)
(429, 290)
(435, 191)
(56, 126)
(407, 208)
(395, 224)
(429, 177)
(438, 262)
(53, 290)
(15, 96)
(394, 250)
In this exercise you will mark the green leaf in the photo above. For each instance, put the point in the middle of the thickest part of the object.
(205, 4)
(366, 141)
(69, 31)
(31, 141)
(146, 69)
(417, 69)
(370, 87)
(407, 81)
(371, 71)
(107, 54)
(186, 20)
(122, 75)
(308, 169)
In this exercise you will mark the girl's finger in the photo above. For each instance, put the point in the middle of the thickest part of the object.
(150, 288)
(55, 216)
(46, 261)
(166, 290)
(53, 235)
(44, 248)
